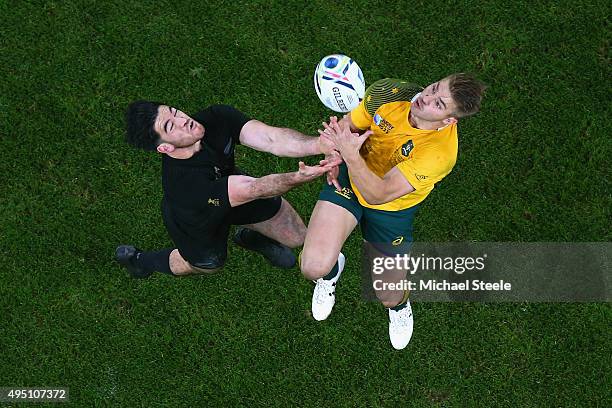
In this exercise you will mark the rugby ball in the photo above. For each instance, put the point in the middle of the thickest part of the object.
(339, 83)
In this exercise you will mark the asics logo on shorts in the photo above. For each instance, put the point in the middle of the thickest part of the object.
(345, 192)
(397, 241)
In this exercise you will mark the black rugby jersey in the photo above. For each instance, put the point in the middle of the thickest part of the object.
(193, 185)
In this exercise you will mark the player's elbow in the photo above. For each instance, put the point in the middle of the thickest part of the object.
(275, 144)
(275, 149)
(375, 201)
(374, 197)
(241, 190)
(281, 151)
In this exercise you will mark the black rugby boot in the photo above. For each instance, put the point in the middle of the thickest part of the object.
(124, 255)
(276, 253)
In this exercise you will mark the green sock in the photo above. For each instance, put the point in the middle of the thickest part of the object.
(332, 274)
(400, 306)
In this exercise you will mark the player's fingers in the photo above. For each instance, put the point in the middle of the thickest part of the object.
(327, 138)
(336, 184)
(328, 126)
(319, 171)
(365, 135)
(324, 133)
(335, 161)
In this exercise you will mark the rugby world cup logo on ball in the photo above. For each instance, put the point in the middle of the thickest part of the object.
(339, 83)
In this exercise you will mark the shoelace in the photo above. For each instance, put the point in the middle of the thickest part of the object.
(324, 288)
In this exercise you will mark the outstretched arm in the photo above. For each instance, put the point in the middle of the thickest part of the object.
(374, 189)
(243, 189)
(283, 142)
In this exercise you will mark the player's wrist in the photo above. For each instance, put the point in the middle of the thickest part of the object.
(351, 157)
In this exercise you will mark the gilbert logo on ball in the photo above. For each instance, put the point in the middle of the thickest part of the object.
(339, 83)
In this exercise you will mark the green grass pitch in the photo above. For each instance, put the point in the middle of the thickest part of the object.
(533, 166)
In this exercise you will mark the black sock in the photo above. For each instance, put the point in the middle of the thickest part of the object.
(154, 261)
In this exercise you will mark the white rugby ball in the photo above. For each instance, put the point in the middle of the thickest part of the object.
(339, 83)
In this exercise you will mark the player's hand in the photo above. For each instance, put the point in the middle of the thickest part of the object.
(333, 159)
(346, 142)
(326, 146)
(312, 172)
(332, 177)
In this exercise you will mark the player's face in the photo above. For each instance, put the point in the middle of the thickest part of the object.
(435, 103)
(176, 128)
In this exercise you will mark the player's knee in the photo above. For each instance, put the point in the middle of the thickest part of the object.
(296, 239)
(313, 269)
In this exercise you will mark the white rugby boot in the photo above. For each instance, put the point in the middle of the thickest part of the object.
(324, 294)
(401, 324)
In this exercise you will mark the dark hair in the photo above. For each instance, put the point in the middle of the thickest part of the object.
(467, 93)
(140, 117)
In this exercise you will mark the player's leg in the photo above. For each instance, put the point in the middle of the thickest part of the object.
(333, 219)
(264, 223)
(329, 227)
(285, 226)
(390, 233)
(141, 264)
(196, 251)
(321, 260)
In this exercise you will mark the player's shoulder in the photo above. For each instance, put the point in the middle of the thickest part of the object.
(440, 151)
(389, 90)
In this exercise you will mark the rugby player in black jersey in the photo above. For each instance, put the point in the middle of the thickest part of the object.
(205, 193)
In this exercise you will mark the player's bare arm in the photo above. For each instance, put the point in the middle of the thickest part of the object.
(282, 142)
(375, 190)
(242, 189)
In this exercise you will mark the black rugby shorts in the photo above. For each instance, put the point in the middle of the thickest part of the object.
(201, 237)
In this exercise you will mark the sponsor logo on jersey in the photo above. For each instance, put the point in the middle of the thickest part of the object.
(407, 148)
(345, 192)
(214, 201)
(382, 123)
(397, 241)
(421, 177)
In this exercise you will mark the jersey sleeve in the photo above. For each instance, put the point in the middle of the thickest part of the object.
(232, 119)
(360, 116)
(424, 169)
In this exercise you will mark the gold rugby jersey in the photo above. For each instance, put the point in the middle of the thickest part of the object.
(423, 156)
